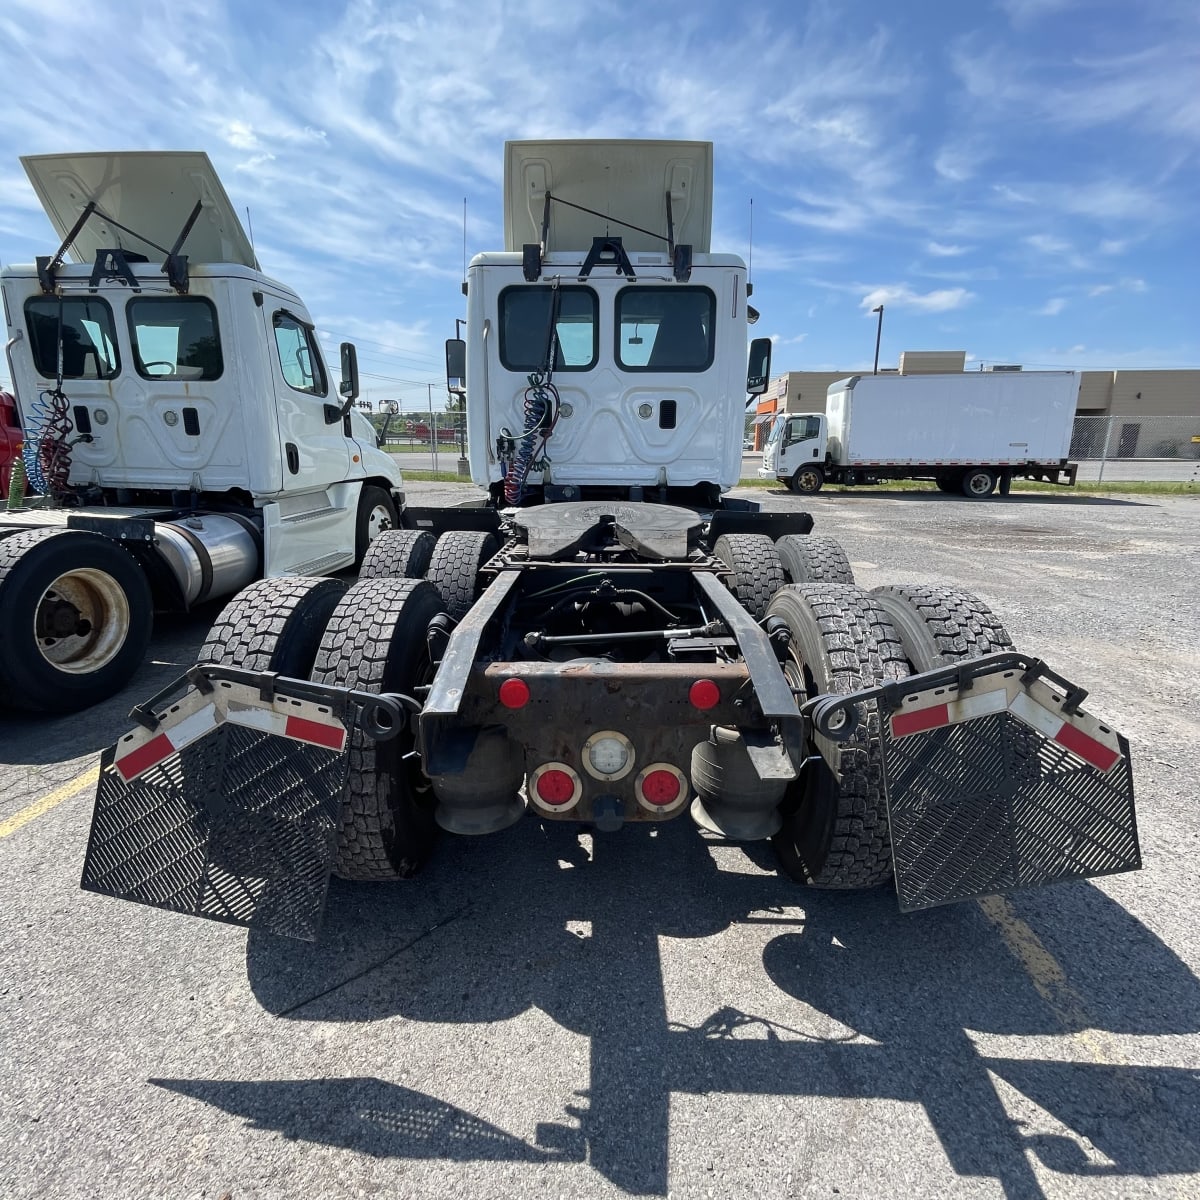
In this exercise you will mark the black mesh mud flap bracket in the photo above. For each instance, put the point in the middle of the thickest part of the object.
(997, 780)
(226, 804)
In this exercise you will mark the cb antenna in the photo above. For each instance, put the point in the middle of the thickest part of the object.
(250, 230)
(750, 255)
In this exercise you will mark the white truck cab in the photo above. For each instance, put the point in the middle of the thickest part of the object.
(607, 344)
(162, 378)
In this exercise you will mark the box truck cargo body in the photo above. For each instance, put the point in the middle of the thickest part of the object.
(967, 432)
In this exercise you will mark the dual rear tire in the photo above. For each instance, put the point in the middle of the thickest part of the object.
(835, 828)
(370, 637)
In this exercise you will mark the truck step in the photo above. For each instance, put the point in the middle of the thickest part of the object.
(323, 565)
(311, 514)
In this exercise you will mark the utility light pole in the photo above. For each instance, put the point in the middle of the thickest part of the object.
(878, 335)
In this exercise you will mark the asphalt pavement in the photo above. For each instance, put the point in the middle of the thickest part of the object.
(651, 1012)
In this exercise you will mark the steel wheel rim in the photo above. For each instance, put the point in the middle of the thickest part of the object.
(806, 480)
(99, 602)
(378, 519)
(978, 485)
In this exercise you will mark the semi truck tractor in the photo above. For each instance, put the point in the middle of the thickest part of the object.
(967, 432)
(608, 638)
(181, 427)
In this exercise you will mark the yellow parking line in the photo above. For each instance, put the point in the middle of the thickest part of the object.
(1050, 980)
(47, 802)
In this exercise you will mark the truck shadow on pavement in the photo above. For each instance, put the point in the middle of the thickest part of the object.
(879, 1006)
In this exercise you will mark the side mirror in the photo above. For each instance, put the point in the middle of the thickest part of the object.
(456, 365)
(349, 385)
(758, 371)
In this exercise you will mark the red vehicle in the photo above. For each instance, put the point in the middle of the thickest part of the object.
(10, 439)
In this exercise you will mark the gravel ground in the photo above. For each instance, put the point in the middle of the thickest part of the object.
(542, 1014)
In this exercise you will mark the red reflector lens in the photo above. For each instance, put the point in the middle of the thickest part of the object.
(514, 693)
(661, 787)
(555, 787)
(704, 694)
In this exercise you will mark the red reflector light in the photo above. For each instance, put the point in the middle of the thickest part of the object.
(661, 787)
(514, 693)
(555, 787)
(704, 694)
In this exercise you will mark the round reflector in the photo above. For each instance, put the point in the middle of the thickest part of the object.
(704, 694)
(514, 693)
(661, 787)
(555, 787)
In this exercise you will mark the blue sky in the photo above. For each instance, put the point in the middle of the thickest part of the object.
(1014, 178)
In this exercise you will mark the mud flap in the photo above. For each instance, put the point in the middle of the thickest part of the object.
(225, 806)
(997, 780)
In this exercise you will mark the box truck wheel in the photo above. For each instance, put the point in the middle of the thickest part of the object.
(76, 612)
(375, 640)
(835, 828)
(754, 564)
(978, 482)
(941, 625)
(950, 484)
(398, 554)
(273, 625)
(376, 512)
(808, 480)
(810, 559)
(454, 567)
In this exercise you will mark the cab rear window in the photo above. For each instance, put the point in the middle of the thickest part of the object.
(175, 337)
(76, 331)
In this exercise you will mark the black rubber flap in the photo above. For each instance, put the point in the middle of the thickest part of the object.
(239, 826)
(990, 805)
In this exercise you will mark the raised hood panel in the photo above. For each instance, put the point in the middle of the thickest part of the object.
(151, 192)
(624, 179)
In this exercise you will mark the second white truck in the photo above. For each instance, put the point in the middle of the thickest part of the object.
(967, 432)
(182, 431)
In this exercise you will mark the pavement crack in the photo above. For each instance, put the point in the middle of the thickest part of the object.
(382, 962)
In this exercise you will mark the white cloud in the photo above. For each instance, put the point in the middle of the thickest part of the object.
(942, 250)
(902, 296)
(1052, 307)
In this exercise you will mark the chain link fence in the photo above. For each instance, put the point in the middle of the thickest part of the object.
(1137, 448)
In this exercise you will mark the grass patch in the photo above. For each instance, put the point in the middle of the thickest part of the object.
(436, 476)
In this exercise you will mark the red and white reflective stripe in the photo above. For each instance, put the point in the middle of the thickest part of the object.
(952, 712)
(140, 757)
(1082, 735)
(1069, 736)
(193, 718)
(330, 735)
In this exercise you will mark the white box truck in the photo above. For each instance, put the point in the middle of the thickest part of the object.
(966, 432)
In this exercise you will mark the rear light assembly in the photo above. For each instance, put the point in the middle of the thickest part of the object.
(661, 788)
(608, 755)
(555, 787)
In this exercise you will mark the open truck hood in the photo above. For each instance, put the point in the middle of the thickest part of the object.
(152, 192)
(628, 180)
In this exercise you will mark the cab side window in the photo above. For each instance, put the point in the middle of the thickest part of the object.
(299, 356)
